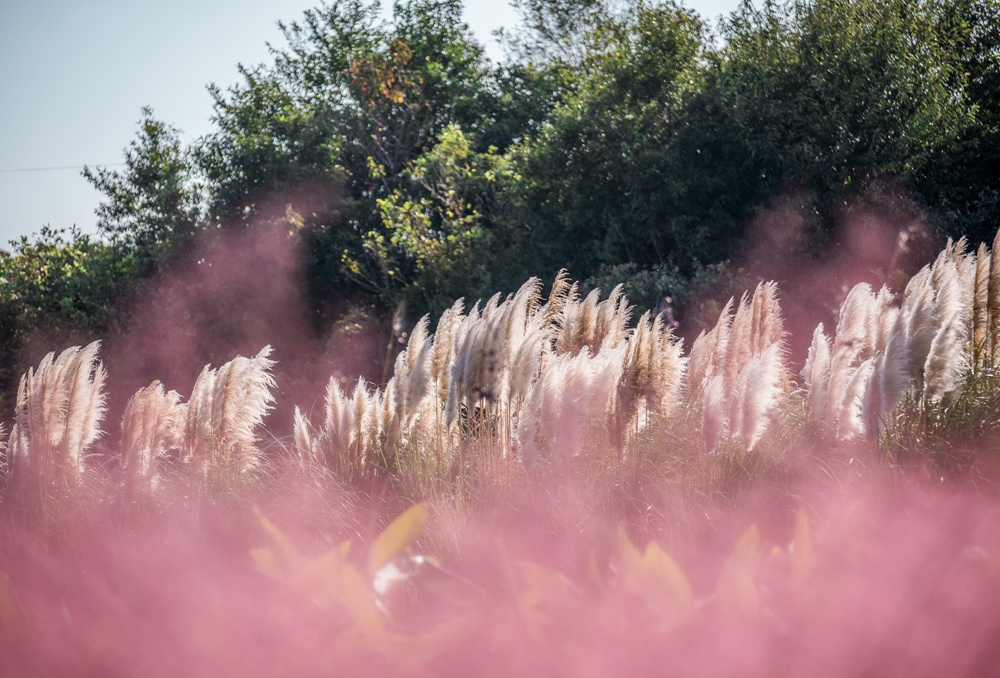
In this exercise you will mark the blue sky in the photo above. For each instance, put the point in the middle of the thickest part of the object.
(75, 75)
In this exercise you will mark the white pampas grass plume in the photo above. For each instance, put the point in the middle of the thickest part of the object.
(637, 373)
(305, 442)
(871, 404)
(770, 327)
(740, 345)
(414, 357)
(529, 357)
(56, 418)
(883, 319)
(894, 375)
(612, 320)
(388, 424)
(338, 421)
(151, 426)
(585, 327)
(765, 372)
(816, 373)
(58, 412)
(561, 293)
(85, 407)
(945, 363)
(849, 420)
(699, 361)
(572, 392)
(993, 302)
(587, 395)
(415, 378)
(668, 369)
(714, 415)
(225, 408)
(980, 303)
(246, 400)
(720, 346)
(462, 356)
(198, 432)
(592, 323)
(443, 349)
(512, 330)
(361, 413)
(652, 375)
(922, 314)
(850, 341)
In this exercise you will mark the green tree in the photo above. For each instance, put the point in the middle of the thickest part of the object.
(591, 188)
(151, 208)
(829, 99)
(434, 244)
(963, 185)
(62, 288)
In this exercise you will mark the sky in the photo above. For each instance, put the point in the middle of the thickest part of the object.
(74, 77)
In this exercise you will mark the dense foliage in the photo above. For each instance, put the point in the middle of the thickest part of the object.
(625, 142)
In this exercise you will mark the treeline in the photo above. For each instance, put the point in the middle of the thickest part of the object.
(625, 142)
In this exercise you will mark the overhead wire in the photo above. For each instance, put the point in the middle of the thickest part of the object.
(63, 167)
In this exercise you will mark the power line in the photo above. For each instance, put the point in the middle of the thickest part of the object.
(64, 167)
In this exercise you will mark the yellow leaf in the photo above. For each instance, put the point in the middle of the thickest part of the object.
(801, 546)
(548, 585)
(352, 592)
(737, 589)
(629, 554)
(594, 574)
(286, 554)
(321, 578)
(656, 577)
(673, 584)
(267, 563)
(395, 539)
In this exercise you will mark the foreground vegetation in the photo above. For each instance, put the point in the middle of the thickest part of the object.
(546, 438)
